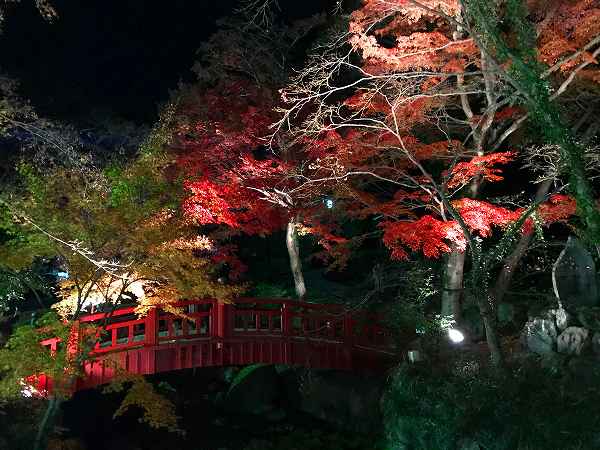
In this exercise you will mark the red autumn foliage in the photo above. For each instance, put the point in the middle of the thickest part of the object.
(216, 143)
(480, 216)
(564, 28)
(479, 166)
(558, 208)
(415, 47)
(426, 234)
(434, 236)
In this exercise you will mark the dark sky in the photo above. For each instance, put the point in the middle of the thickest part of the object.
(118, 56)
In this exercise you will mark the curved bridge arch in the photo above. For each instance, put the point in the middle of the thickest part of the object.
(248, 331)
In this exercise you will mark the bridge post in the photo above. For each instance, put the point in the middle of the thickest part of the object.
(151, 325)
(286, 331)
(286, 319)
(221, 328)
(221, 325)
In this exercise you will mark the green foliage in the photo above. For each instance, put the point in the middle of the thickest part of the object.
(15, 285)
(528, 408)
(243, 374)
(23, 356)
(410, 310)
(11, 288)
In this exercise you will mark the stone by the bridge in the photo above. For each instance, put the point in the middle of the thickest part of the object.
(573, 341)
(574, 276)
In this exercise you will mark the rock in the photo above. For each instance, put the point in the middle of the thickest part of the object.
(574, 276)
(573, 340)
(539, 335)
(589, 318)
(562, 318)
(596, 343)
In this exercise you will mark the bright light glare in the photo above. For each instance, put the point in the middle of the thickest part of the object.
(329, 203)
(455, 335)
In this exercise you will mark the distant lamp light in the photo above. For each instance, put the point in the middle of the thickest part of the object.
(328, 203)
(414, 356)
(455, 335)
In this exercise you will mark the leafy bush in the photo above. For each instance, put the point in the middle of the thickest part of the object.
(23, 356)
(527, 408)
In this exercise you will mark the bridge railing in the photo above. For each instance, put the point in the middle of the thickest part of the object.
(212, 333)
(247, 318)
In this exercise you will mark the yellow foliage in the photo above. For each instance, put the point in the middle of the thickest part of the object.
(158, 411)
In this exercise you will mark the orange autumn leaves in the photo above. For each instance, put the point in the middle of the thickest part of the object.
(433, 236)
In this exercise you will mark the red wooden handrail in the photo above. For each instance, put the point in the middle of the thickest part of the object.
(250, 330)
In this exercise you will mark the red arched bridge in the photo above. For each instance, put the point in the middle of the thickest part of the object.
(248, 331)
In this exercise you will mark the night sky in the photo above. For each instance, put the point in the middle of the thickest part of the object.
(116, 57)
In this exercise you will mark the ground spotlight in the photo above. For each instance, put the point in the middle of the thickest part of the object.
(455, 335)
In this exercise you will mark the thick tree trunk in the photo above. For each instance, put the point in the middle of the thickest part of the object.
(291, 240)
(512, 261)
(488, 315)
(453, 286)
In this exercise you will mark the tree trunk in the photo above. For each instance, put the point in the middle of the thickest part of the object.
(453, 285)
(291, 240)
(488, 315)
(512, 261)
(42, 432)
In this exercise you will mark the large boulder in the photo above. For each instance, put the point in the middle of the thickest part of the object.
(596, 343)
(562, 318)
(539, 335)
(573, 341)
(574, 276)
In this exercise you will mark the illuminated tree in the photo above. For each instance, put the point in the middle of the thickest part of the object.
(408, 122)
(233, 179)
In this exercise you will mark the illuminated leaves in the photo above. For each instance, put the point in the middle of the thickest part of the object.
(415, 46)
(157, 410)
(480, 216)
(566, 28)
(217, 152)
(558, 208)
(426, 234)
(479, 166)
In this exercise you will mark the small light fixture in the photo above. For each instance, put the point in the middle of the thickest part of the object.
(328, 203)
(414, 356)
(456, 336)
